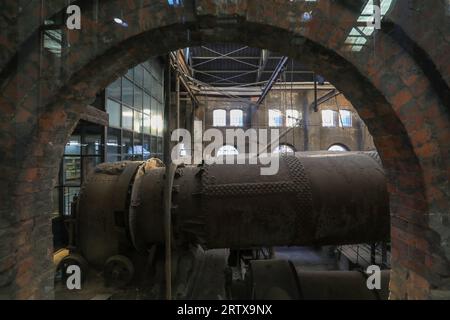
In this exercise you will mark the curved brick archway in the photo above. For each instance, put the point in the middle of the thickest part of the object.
(406, 117)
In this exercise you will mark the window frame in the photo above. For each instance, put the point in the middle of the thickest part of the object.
(341, 118)
(223, 123)
(293, 117)
(333, 118)
(271, 119)
(241, 118)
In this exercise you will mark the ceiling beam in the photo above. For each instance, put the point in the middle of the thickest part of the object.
(273, 78)
(328, 96)
(219, 55)
(241, 71)
(227, 56)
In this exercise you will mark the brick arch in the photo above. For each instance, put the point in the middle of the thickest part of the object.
(412, 140)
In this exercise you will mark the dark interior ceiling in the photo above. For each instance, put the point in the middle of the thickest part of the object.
(231, 65)
(228, 65)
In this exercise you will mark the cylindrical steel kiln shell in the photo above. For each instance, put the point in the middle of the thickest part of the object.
(316, 198)
(278, 279)
(102, 211)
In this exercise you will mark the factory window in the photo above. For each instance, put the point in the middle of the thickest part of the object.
(275, 118)
(236, 118)
(127, 92)
(127, 118)
(114, 90)
(338, 148)
(113, 145)
(284, 149)
(345, 118)
(82, 153)
(219, 118)
(328, 118)
(227, 150)
(113, 109)
(135, 103)
(292, 118)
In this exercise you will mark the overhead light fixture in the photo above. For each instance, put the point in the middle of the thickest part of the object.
(121, 22)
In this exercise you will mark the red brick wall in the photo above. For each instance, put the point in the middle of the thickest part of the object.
(393, 94)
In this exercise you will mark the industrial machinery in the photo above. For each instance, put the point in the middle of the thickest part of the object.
(126, 210)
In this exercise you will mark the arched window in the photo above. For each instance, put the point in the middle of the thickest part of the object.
(227, 150)
(338, 148)
(292, 118)
(329, 118)
(236, 118)
(275, 118)
(219, 118)
(284, 149)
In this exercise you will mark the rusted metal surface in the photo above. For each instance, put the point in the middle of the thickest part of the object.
(286, 283)
(316, 198)
(102, 210)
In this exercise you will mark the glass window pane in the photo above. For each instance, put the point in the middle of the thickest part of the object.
(114, 89)
(129, 74)
(113, 110)
(283, 149)
(338, 148)
(227, 151)
(160, 146)
(147, 81)
(138, 98)
(154, 117)
(127, 144)
(219, 118)
(69, 193)
(72, 170)
(113, 141)
(146, 128)
(153, 147)
(137, 121)
(73, 146)
(137, 147)
(127, 118)
(139, 75)
(275, 118)
(53, 40)
(292, 118)
(236, 118)
(345, 118)
(147, 105)
(328, 118)
(146, 147)
(127, 92)
(92, 144)
(160, 120)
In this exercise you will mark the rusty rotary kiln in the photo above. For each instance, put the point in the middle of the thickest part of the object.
(126, 209)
